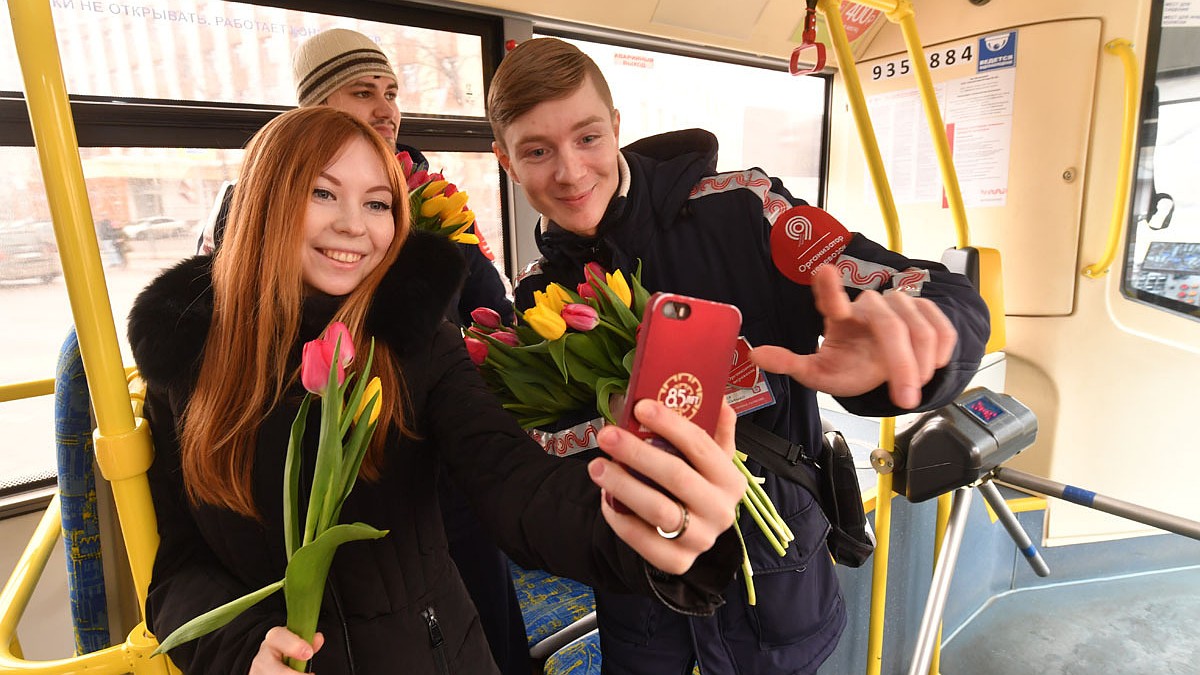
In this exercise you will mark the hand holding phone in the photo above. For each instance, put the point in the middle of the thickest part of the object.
(684, 352)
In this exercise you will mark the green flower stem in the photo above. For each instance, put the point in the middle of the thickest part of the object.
(747, 570)
(762, 498)
(766, 529)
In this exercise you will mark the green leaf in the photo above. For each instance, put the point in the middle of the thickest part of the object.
(215, 618)
(357, 395)
(356, 450)
(640, 294)
(304, 581)
(605, 388)
(558, 352)
(588, 348)
(291, 479)
(329, 461)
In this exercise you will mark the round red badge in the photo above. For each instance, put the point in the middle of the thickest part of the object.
(803, 239)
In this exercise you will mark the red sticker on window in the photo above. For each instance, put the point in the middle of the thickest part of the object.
(803, 239)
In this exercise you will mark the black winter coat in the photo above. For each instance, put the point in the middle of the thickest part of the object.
(707, 235)
(395, 604)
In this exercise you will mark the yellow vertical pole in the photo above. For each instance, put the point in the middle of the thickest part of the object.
(832, 9)
(903, 15)
(124, 452)
(879, 563)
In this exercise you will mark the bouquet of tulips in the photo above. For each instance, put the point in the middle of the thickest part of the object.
(435, 204)
(572, 351)
(347, 424)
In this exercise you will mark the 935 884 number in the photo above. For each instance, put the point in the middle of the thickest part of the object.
(944, 57)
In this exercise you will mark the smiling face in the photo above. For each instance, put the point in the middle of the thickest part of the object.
(348, 222)
(563, 152)
(371, 99)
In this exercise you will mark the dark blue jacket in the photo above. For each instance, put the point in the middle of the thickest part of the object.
(707, 235)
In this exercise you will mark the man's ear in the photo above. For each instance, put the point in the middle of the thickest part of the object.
(505, 161)
(617, 126)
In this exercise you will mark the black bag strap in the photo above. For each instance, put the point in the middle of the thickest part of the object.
(775, 454)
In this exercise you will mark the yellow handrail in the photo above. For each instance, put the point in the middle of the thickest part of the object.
(832, 9)
(123, 448)
(1123, 48)
(20, 390)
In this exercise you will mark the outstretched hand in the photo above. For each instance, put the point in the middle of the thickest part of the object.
(890, 337)
(706, 484)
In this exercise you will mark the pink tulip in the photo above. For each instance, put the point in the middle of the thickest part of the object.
(317, 358)
(477, 350)
(450, 189)
(586, 291)
(580, 317)
(507, 337)
(486, 317)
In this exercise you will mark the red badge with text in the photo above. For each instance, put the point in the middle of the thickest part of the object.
(803, 239)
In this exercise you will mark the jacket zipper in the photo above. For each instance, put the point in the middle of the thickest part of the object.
(436, 641)
(337, 606)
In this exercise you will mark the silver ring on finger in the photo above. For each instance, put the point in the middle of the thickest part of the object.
(683, 523)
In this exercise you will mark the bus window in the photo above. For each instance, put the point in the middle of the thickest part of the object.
(764, 118)
(148, 205)
(1162, 264)
(198, 50)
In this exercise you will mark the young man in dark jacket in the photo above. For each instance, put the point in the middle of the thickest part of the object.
(899, 334)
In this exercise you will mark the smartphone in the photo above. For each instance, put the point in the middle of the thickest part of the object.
(684, 353)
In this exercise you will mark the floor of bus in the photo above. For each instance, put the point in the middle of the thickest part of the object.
(1136, 624)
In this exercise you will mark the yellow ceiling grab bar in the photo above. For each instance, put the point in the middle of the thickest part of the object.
(1124, 49)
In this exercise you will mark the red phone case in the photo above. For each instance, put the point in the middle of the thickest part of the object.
(683, 361)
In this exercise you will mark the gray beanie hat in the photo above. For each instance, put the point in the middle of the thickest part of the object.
(331, 59)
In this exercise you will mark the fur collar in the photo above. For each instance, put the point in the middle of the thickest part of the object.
(169, 322)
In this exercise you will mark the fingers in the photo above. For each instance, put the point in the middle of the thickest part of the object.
(830, 295)
(279, 644)
(780, 360)
(947, 335)
(706, 483)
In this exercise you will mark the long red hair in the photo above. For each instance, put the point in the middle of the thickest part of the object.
(258, 293)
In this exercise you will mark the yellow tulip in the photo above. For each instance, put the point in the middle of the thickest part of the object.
(373, 387)
(616, 281)
(434, 187)
(454, 206)
(434, 206)
(546, 322)
(560, 296)
(465, 238)
(460, 222)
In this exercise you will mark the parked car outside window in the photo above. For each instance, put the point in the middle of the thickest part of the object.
(28, 251)
(158, 227)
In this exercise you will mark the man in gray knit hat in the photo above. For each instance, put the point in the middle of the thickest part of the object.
(347, 70)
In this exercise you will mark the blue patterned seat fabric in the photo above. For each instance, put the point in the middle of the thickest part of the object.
(549, 603)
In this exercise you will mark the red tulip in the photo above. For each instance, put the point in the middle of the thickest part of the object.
(507, 337)
(594, 270)
(580, 317)
(417, 180)
(486, 317)
(586, 291)
(406, 163)
(477, 350)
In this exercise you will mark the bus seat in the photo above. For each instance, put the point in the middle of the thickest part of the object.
(556, 610)
(80, 518)
(982, 267)
(580, 657)
(130, 656)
